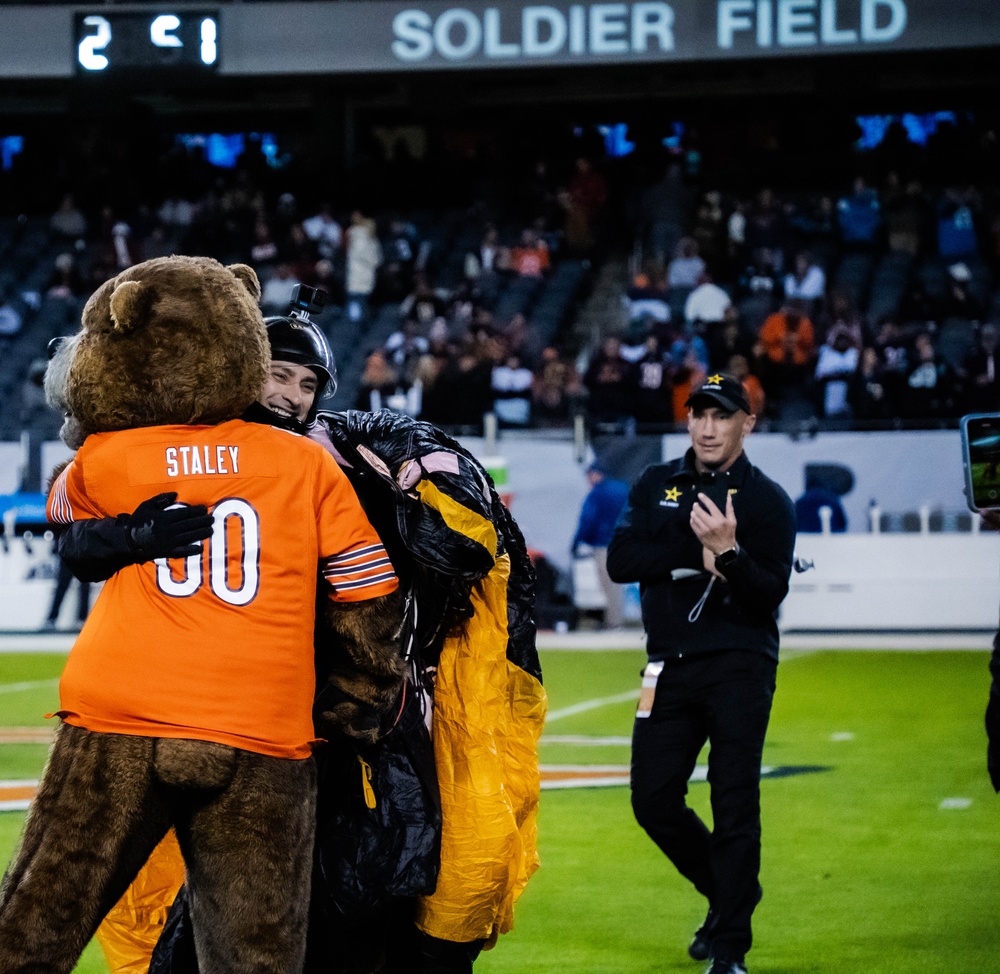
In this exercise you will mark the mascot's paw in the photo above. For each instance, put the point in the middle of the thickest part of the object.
(337, 711)
(193, 764)
(351, 719)
(367, 672)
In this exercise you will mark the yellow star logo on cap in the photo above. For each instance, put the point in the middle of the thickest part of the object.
(714, 379)
(672, 494)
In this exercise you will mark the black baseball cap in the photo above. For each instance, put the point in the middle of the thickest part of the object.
(723, 390)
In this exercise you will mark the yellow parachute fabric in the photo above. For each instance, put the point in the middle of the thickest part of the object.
(458, 517)
(488, 716)
(134, 924)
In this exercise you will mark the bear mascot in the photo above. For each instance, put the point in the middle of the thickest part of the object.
(410, 874)
(187, 699)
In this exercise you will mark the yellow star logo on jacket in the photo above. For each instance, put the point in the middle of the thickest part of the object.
(714, 380)
(672, 494)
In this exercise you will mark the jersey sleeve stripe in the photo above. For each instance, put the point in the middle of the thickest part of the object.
(366, 570)
(365, 582)
(355, 553)
(364, 573)
(60, 508)
(354, 569)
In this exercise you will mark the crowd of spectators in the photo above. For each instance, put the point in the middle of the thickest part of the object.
(452, 354)
(451, 358)
(877, 305)
(872, 301)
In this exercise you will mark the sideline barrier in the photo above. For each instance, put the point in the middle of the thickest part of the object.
(936, 581)
(895, 582)
(859, 583)
(497, 468)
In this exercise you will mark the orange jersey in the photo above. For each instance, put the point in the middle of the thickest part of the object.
(217, 646)
(775, 334)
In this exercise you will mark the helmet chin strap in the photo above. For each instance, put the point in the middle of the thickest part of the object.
(257, 412)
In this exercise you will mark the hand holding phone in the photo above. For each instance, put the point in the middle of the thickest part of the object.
(717, 490)
(980, 433)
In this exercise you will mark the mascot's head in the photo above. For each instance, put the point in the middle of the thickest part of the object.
(174, 340)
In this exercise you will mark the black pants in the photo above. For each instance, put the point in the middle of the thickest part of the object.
(63, 582)
(383, 939)
(723, 698)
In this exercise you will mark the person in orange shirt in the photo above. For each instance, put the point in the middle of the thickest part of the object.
(787, 350)
(530, 258)
(207, 657)
(290, 400)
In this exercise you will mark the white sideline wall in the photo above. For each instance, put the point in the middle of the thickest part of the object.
(901, 470)
(908, 582)
(27, 581)
(860, 581)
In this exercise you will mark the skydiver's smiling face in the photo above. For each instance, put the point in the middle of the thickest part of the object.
(290, 390)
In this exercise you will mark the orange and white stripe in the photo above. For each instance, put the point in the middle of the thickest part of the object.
(60, 509)
(360, 573)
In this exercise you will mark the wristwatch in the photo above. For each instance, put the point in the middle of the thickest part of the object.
(725, 558)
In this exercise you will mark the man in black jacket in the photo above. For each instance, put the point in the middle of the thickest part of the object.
(710, 539)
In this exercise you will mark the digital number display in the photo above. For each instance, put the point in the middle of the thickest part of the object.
(109, 41)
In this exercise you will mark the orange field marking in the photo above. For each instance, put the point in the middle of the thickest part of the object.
(26, 735)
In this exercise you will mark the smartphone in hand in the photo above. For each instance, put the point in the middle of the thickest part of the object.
(717, 489)
(981, 460)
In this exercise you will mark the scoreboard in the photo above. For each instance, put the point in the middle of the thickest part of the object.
(112, 41)
(348, 37)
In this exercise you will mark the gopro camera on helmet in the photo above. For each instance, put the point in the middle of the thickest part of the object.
(306, 300)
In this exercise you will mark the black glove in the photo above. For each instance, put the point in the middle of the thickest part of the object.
(153, 531)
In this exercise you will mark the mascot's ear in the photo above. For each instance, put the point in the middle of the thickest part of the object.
(130, 305)
(247, 276)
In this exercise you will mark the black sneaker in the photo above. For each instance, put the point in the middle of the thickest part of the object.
(702, 944)
(722, 966)
(700, 947)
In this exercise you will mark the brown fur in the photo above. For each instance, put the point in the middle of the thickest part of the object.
(56, 380)
(102, 807)
(172, 340)
(94, 793)
(367, 665)
(193, 764)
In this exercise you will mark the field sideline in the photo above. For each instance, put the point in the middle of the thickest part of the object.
(881, 831)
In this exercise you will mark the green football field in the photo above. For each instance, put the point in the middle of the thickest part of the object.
(881, 830)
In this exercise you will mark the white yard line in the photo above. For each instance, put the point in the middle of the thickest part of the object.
(30, 685)
(595, 704)
(582, 740)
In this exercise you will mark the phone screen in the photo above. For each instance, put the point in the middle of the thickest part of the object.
(981, 459)
(717, 490)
